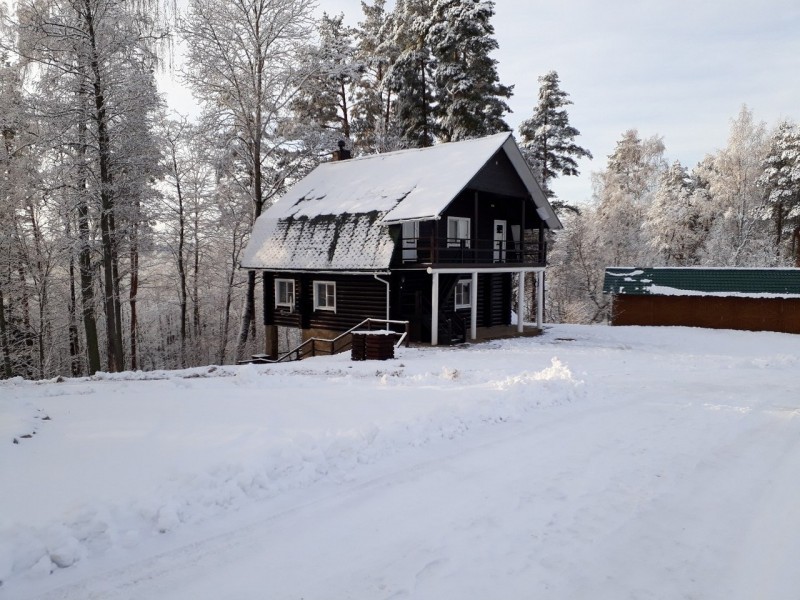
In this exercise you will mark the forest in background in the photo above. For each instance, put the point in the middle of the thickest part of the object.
(122, 223)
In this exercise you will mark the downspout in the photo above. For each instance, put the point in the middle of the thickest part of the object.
(388, 288)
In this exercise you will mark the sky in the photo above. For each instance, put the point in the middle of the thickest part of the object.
(680, 69)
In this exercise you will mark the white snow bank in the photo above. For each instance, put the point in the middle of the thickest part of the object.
(129, 456)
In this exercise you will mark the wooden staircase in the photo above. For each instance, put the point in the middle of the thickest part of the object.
(326, 347)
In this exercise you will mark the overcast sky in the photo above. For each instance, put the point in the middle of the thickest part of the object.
(681, 69)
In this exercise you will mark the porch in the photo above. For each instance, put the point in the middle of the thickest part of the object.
(469, 297)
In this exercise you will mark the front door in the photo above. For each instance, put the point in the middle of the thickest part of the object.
(500, 240)
(410, 237)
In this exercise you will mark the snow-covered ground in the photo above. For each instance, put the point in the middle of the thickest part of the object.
(591, 462)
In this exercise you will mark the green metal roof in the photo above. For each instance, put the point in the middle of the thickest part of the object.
(699, 281)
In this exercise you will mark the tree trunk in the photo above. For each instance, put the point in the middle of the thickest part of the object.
(85, 256)
(108, 234)
(248, 315)
(7, 373)
(796, 246)
(181, 262)
(87, 285)
(74, 338)
(133, 292)
(226, 321)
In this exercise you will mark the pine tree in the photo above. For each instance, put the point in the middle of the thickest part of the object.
(322, 109)
(547, 138)
(673, 220)
(624, 193)
(470, 100)
(372, 98)
(781, 179)
(410, 76)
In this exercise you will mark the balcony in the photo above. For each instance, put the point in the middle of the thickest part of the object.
(469, 252)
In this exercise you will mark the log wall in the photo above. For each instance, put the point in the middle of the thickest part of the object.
(713, 312)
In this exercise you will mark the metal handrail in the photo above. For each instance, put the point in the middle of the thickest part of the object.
(475, 251)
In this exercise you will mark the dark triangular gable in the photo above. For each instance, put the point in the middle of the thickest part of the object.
(498, 176)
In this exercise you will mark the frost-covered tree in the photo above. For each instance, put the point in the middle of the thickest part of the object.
(609, 232)
(673, 222)
(781, 180)
(737, 234)
(322, 109)
(575, 279)
(14, 186)
(624, 193)
(374, 129)
(410, 77)
(242, 66)
(94, 92)
(470, 100)
(547, 139)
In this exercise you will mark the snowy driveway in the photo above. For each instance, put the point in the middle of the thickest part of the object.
(640, 463)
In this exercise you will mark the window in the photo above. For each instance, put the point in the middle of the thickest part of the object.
(325, 295)
(464, 293)
(284, 293)
(410, 239)
(457, 230)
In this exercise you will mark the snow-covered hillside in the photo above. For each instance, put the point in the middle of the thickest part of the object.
(592, 462)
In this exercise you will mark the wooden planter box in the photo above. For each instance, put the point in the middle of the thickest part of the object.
(373, 345)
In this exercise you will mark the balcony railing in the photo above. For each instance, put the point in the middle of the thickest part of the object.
(431, 251)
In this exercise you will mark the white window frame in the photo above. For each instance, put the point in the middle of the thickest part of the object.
(330, 293)
(289, 302)
(464, 289)
(461, 228)
(410, 235)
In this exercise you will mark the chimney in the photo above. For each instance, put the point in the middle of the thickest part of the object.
(341, 153)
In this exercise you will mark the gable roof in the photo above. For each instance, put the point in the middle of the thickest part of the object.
(703, 281)
(336, 217)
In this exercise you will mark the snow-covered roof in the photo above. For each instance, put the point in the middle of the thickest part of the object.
(335, 218)
(703, 281)
(320, 243)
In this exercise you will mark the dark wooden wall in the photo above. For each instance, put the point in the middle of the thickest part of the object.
(499, 176)
(713, 312)
(411, 299)
(358, 297)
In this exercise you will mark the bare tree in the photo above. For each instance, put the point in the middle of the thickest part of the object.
(241, 64)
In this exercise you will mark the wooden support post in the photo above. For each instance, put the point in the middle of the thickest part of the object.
(539, 298)
(520, 301)
(435, 310)
(271, 341)
(473, 302)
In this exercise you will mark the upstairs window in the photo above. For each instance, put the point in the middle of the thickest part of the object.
(284, 293)
(325, 295)
(464, 293)
(458, 228)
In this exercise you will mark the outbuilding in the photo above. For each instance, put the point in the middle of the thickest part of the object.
(716, 298)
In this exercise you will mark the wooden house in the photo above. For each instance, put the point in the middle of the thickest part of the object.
(717, 298)
(436, 236)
